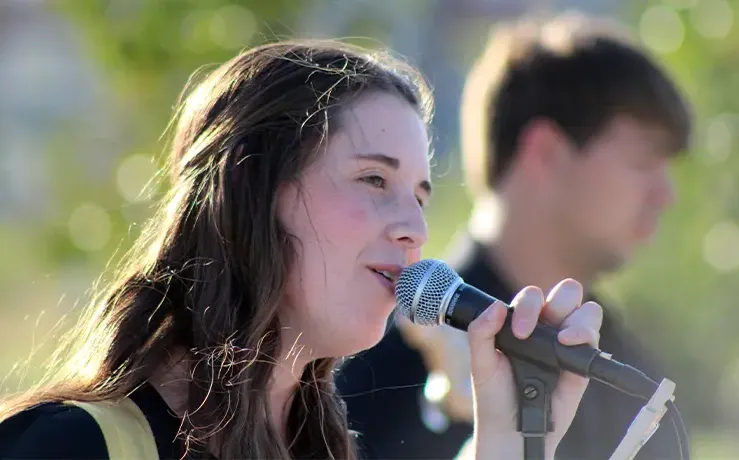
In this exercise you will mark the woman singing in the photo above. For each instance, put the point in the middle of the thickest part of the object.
(299, 176)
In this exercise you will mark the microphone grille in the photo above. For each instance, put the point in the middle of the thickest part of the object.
(420, 289)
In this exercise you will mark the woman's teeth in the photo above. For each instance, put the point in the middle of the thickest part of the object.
(386, 274)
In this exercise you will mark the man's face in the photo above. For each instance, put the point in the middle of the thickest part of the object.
(615, 190)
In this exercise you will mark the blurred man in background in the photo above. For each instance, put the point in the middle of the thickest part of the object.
(568, 131)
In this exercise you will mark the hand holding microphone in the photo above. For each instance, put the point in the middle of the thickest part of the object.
(496, 433)
(556, 337)
(492, 375)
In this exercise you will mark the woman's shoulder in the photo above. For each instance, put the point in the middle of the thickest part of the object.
(52, 430)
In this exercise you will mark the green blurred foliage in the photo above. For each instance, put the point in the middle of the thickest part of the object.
(672, 296)
(150, 48)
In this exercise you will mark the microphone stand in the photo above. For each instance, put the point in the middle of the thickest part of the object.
(534, 389)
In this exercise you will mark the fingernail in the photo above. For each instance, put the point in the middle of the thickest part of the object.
(487, 315)
(520, 326)
(490, 312)
(568, 335)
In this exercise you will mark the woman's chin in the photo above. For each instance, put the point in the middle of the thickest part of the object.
(364, 339)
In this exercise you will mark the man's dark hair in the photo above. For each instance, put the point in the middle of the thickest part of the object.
(576, 72)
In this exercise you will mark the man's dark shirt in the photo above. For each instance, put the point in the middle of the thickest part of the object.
(383, 389)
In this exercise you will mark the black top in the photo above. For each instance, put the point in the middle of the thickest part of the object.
(60, 431)
(383, 389)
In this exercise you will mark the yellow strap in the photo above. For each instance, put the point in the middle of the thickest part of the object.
(126, 431)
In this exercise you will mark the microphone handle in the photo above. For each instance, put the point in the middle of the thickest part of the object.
(543, 349)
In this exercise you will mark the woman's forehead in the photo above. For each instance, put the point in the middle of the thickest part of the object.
(382, 124)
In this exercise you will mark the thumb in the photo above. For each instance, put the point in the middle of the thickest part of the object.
(485, 360)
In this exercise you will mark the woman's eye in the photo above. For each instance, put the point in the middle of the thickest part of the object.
(375, 181)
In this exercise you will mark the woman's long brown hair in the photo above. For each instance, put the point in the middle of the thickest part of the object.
(208, 273)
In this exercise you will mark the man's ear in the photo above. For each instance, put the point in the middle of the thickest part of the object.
(543, 149)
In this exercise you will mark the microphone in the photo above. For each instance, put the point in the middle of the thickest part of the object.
(430, 293)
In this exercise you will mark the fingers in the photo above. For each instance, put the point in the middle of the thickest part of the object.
(582, 326)
(481, 337)
(577, 335)
(482, 330)
(578, 324)
(562, 300)
(527, 306)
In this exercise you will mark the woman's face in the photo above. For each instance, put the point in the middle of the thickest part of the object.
(357, 216)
